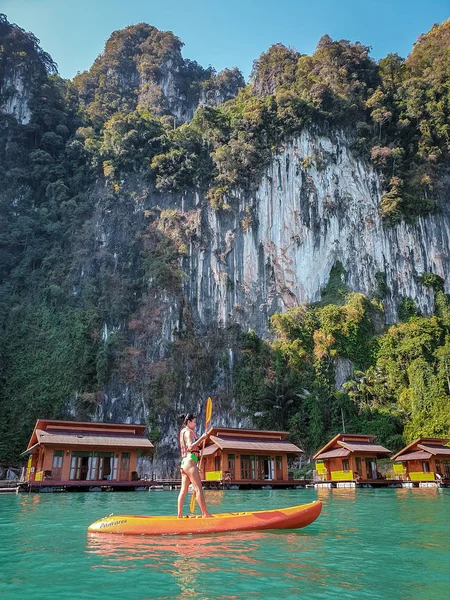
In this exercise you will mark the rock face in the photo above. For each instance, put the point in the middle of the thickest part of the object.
(221, 87)
(142, 66)
(16, 90)
(316, 204)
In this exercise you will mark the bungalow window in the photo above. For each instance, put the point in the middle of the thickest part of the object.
(247, 466)
(217, 463)
(426, 467)
(345, 465)
(446, 467)
(358, 465)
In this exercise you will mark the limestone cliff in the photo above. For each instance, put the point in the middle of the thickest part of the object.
(316, 205)
(23, 65)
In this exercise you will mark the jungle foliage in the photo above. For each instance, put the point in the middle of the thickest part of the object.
(398, 383)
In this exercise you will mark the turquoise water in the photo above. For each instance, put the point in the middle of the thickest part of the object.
(391, 543)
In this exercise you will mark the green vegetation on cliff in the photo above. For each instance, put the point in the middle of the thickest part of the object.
(398, 384)
(397, 111)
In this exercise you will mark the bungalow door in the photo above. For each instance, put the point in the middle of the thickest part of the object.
(264, 467)
(279, 467)
(58, 457)
(80, 465)
(107, 466)
(231, 466)
(124, 471)
(371, 468)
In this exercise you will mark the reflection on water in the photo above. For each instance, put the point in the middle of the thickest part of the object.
(344, 493)
(146, 547)
(419, 492)
(187, 558)
(29, 501)
(215, 496)
(367, 545)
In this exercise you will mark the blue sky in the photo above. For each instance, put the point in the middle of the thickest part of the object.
(224, 33)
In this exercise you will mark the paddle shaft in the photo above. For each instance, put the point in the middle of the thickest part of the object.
(207, 423)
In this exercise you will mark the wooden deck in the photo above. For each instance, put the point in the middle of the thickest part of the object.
(86, 486)
(143, 485)
(174, 484)
(10, 487)
(379, 483)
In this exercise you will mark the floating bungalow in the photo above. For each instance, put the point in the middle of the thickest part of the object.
(249, 457)
(349, 459)
(424, 460)
(70, 454)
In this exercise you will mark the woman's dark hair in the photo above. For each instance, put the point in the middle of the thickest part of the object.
(185, 417)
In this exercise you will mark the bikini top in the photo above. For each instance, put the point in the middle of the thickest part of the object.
(183, 446)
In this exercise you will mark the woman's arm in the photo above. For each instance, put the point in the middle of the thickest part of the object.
(194, 445)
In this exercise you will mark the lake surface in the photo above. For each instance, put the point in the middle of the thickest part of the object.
(389, 543)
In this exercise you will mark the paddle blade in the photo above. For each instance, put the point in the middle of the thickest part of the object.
(208, 412)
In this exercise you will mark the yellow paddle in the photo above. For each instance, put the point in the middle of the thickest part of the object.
(207, 422)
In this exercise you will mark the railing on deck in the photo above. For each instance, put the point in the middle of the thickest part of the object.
(421, 476)
(342, 475)
(214, 476)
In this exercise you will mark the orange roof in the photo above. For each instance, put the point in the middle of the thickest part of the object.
(211, 449)
(430, 445)
(364, 447)
(88, 433)
(92, 439)
(352, 442)
(235, 431)
(255, 443)
(337, 453)
(434, 450)
(420, 455)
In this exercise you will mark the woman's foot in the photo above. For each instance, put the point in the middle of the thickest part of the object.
(207, 516)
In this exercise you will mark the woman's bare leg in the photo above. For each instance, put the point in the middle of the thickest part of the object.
(194, 475)
(183, 492)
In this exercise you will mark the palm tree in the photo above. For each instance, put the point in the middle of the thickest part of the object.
(278, 399)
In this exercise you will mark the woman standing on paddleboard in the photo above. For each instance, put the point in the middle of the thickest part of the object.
(190, 473)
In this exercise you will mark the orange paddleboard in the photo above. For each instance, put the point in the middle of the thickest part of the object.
(280, 518)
